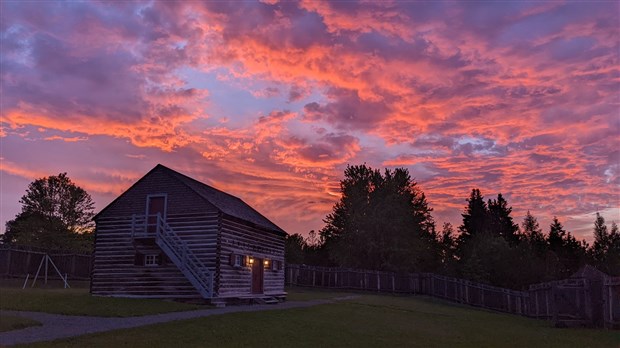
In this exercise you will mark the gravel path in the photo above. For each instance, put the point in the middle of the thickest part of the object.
(56, 326)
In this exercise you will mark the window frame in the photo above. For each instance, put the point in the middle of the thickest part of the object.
(150, 260)
(237, 260)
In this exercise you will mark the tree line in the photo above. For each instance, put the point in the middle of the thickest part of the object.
(383, 222)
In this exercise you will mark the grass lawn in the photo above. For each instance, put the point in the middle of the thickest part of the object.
(368, 321)
(308, 294)
(9, 322)
(77, 301)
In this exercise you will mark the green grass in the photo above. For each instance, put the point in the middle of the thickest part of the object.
(10, 322)
(80, 302)
(368, 321)
(308, 294)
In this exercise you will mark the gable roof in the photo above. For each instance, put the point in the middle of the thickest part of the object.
(226, 203)
(589, 272)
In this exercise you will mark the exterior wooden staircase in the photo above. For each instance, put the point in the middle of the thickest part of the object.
(176, 249)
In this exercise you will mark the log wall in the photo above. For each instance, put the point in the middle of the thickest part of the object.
(238, 237)
(192, 218)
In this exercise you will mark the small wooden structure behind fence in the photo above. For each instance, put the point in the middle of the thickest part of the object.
(566, 302)
(17, 263)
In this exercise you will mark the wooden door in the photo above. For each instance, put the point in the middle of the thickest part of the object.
(155, 205)
(257, 276)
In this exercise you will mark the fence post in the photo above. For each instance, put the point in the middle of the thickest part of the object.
(28, 258)
(393, 284)
(378, 282)
(508, 302)
(467, 292)
(313, 278)
(73, 265)
(555, 307)
(547, 303)
(611, 307)
(8, 262)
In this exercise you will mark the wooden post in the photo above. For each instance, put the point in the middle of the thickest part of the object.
(378, 282)
(508, 302)
(467, 293)
(73, 265)
(28, 257)
(555, 307)
(8, 261)
(46, 258)
(610, 301)
(313, 277)
(547, 303)
(393, 284)
(290, 276)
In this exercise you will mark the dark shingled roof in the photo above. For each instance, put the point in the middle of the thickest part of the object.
(225, 202)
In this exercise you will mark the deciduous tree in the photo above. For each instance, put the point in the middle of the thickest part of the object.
(56, 214)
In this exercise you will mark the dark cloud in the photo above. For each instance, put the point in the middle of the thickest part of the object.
(347, 111)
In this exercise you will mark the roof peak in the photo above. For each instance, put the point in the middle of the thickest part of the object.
(225, 202)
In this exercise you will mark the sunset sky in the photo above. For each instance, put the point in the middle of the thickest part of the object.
(271, 100)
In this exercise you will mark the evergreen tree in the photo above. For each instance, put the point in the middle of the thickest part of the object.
(605, 251)
(613, 254)
(533, 234)
(382, 221)
(448, 248)
(557, 235)
(500, 221)
(601, 240)
(566, 254)
(475, 217)
(294, 246)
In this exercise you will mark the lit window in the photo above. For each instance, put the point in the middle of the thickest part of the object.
(238, 260)
(150, 260)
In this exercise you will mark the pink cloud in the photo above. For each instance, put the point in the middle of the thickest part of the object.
(517, 98)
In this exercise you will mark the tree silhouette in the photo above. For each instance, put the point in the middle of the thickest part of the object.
(500, 221)
(533, 234)
(382, 221)
(56, 214)
(605, 251)
(475, 217)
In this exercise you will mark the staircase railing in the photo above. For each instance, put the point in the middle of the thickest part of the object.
(176, 249)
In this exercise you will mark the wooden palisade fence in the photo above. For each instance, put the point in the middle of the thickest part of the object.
(567, 302)
(18, 263)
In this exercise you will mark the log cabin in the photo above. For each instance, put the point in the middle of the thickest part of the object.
(170, 236)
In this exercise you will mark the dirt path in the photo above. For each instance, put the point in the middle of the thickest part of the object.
(56, 326)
